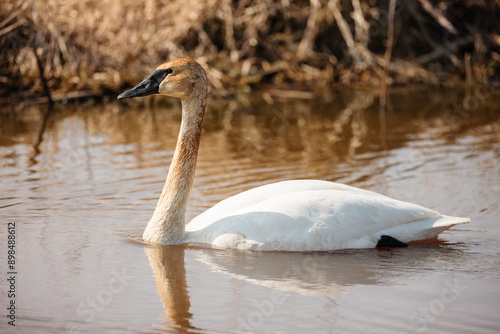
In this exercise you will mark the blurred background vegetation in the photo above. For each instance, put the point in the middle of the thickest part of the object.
(101, 47)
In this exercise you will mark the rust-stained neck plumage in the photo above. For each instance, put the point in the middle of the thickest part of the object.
(188, 82)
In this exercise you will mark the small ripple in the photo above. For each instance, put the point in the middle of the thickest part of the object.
(136, 239)
(9, 205)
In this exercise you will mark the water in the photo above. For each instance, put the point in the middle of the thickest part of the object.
(81, 182)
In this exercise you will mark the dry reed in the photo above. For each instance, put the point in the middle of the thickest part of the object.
(104, 46)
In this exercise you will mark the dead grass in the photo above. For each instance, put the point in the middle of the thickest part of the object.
(105, 46)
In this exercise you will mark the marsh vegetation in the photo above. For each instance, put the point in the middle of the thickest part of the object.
(100, 47)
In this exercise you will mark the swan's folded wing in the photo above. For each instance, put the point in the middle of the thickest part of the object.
(324, 219)
(252, 197)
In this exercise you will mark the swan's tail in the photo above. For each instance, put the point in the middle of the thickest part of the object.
(424, 229)
(449, 221)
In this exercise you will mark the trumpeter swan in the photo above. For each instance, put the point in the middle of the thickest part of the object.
(301, 215)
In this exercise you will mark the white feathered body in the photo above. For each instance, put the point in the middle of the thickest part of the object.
(312, 215)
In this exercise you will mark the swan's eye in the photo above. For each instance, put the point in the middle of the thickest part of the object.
(158, 75)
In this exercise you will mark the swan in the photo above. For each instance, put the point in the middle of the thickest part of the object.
(297, 215)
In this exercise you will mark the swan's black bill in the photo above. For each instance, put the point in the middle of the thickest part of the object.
(148, 86)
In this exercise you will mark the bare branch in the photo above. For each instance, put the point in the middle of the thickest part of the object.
(311, 29)
(438, 16)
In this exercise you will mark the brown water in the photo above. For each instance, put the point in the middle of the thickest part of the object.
(81, 182)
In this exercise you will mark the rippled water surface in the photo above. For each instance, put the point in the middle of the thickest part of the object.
(81, 182)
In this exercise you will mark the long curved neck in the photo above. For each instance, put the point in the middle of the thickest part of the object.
(167, 225)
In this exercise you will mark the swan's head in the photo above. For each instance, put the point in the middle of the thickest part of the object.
(182, 78)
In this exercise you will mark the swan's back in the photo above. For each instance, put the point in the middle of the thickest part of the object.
(311, 215)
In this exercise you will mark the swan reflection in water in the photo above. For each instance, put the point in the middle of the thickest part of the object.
(168, 267)
(323, 274)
